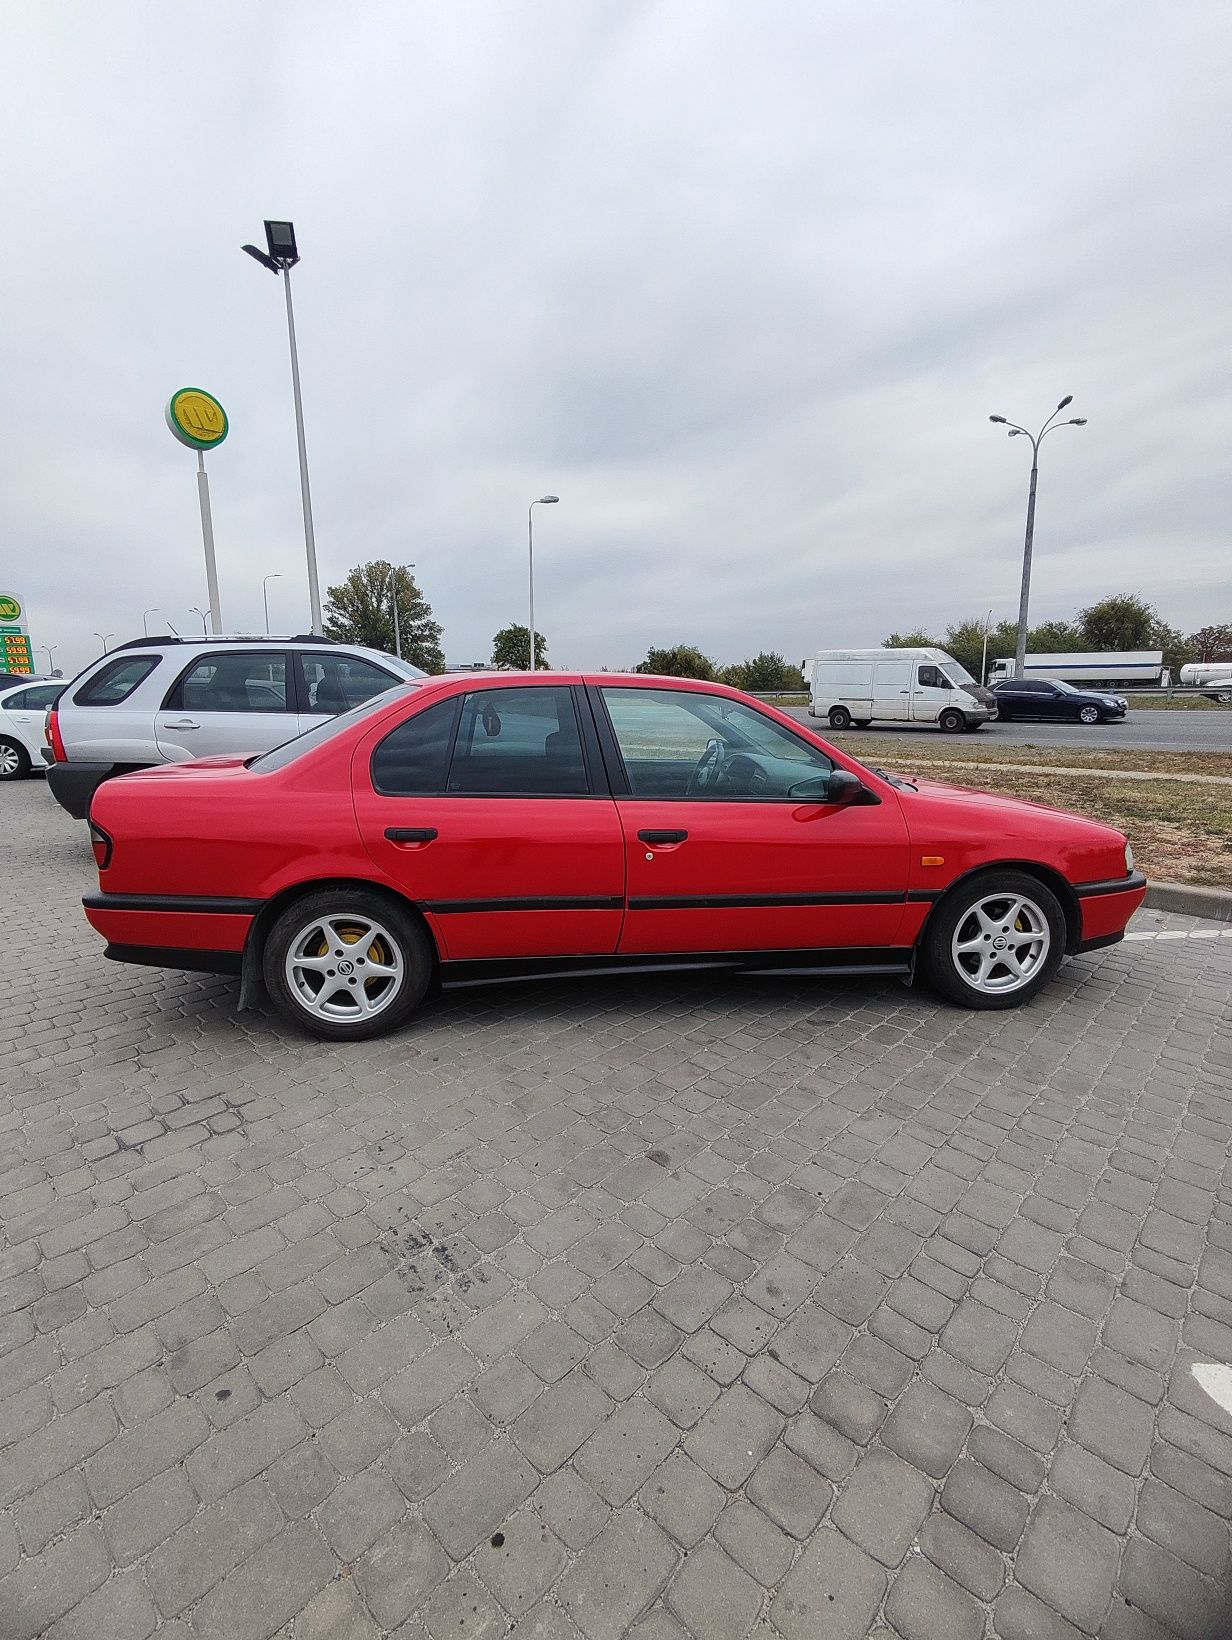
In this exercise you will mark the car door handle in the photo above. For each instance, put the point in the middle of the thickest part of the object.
(411, 834)
(662, 836)
(184, 723)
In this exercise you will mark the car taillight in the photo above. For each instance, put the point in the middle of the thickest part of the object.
(101, 844)
(54, 738)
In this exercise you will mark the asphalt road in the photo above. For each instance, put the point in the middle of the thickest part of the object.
(1175, 731)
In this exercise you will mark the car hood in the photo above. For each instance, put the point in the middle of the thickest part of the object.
(1012, 816)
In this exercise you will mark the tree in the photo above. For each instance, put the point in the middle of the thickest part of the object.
(1212, 643)
(361, 611)
(1055, 638)
(910, 640)
(1123, 621)
(511, 649)
(683, 661)
(1176, 646)
(767, 673)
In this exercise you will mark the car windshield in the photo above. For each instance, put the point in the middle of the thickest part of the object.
(958, 675)
(1065, 688)
(299, 745)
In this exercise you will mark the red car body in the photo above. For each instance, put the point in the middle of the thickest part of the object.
(197, 859)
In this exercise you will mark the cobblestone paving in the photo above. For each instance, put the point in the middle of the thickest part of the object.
(683, 1308)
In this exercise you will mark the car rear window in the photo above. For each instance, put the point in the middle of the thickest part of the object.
(116, 681)
(300, 745)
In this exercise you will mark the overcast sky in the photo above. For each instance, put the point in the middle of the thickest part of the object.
(741, 282)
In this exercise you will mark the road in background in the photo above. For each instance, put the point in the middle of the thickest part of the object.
(1162, 730)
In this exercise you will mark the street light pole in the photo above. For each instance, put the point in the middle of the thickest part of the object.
(144, 618)
(102, 638)
(49, 649)
(281, 258)
(393, 591)
(1050, 426)
(276, 576)
(195, 611)
(545, 501)
(984, 661)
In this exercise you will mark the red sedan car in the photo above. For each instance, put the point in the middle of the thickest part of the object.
(479, 828)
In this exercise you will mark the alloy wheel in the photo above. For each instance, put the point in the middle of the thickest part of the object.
(344, 968)
(1000, 943)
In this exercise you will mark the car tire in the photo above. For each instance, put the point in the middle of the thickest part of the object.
(14, 760)
(957, 955)
(952, 721)
(1089, 714)
(840, 717)
(298, 949)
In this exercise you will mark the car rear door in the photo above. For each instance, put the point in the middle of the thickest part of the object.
(490, 810)
(231, 700)
(739, 864)
(332, 681)
(25, 713)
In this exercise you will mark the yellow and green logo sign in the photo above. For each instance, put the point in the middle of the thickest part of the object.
(196, 418)
(10, 607)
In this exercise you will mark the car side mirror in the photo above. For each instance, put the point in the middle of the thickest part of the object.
(840, 786)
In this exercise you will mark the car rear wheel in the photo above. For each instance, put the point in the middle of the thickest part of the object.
(14, 760)
(347, 964)
(994, 942)
(840, 717)
(1089, 714)
(952, 721)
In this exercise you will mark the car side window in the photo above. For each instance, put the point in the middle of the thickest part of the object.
(116, 681)
(335, 683)
(255, 681)
(932, 677)
(519, 743)
(683, 743)
(413, 759)
(33, 699)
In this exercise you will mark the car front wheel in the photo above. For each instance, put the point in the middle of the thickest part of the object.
(952, 721)
(994, 942)
(347, 964)
(1089, 714)
(14, 760)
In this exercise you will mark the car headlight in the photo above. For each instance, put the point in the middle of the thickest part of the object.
(1129, 859)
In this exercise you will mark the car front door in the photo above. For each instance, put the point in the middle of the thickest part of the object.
(490, 810)
(721, 855)
(930, 693)
(233, 701)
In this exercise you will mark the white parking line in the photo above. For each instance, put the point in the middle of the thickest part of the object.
(1216, 1379)
(1185, 934)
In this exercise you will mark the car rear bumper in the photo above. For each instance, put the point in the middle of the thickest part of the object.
(74, 784)
(174, 924)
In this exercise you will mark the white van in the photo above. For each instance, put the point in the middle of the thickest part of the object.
(896, 686)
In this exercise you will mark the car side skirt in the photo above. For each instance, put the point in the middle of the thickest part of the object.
(837, 961)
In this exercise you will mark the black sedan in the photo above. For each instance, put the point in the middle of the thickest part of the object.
(1050, 699)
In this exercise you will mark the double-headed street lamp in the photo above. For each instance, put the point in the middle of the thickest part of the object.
(195, 611)
(1050, 426)
(276, 576)
(543, 501)
(281, 257)
(102, 638)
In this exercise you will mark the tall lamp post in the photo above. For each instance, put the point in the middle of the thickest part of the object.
(102, 638)
(195, 611)
(393, 593)
(984, 661)
(276, 576)
(49, 649)
(1050, 426)
(281, 257)
(145, 618)
(543, 501)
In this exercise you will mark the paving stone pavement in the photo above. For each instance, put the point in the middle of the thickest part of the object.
(649, 1309)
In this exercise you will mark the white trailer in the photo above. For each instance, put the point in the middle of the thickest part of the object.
(1108, 669)
(1214, 678)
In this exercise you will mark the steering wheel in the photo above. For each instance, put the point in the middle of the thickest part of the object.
(708, 770)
